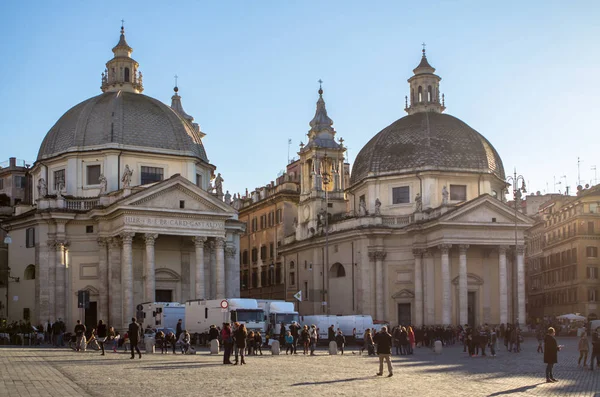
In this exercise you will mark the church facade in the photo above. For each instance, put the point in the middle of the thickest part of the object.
(421, 234)
(123, 208)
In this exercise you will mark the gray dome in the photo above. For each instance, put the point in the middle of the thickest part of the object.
(426, 141)
(122, 120)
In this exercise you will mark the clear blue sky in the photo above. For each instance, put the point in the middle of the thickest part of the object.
(524, 74)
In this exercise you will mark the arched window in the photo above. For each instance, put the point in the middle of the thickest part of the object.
(29, 273)
(245, 257)
(337, 270)
(291, 264)
(127, 75)
(412, 95)
(420, 94)
(429, 94)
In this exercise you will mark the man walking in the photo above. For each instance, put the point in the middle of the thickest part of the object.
(80, 334)
(384, 350)
(134, 337)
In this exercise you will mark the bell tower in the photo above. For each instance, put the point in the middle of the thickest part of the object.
(121, 73)
(424, 89)
(322, 174)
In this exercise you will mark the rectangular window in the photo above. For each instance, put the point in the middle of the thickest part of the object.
(199, 180)
(592, 295)
(254, 255)
(182, 204)
(305, 297)
(245, 257)
(458, 192)
(59, 178)
(279, 218)
(151, 174)
(254, 224)
(401, 195)
(592, 273)
(30, 237)
(292, 278)
(591, 252)
(93, 174)
(271, 250)
(263, 252)
(593, 208)
(89, 229)
(20, 182)
(590, 227)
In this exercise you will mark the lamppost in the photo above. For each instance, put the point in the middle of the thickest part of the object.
(326, 179)
(517, 194)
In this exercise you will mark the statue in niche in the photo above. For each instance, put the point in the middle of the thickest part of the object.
(103, 184)
(61, 186)
(444, 195)
(321, 218)
(42, 188)
(295, 222)
(418, 203)
(219, 185)
(362, 208)
(227, 198)
(126, 179)
(377, 206)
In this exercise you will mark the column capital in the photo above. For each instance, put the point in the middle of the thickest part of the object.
(462, 248)
(445, 248)
(114, 242)
(417, 252)
(427, 253)
(127, 237)
(150, 238)
(199, 241)
(230, 251)
(520, 249)
(103, 241)
(502, 249)
(219, 242)
(377, 255)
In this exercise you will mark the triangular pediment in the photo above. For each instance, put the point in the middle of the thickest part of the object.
(175, 193)
(486, 209)
(403, 294)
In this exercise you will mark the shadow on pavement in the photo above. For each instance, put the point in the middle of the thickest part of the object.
(517, 390)
(332, 381)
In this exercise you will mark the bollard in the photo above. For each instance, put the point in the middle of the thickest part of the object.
(275, 348)
(437, 346)
(214, 346)
(332, 348)
(149, 345)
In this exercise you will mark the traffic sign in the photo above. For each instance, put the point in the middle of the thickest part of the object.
(298, 295)
(224, 304)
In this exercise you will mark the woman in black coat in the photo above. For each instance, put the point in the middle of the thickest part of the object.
(240, 340)
(551, 349)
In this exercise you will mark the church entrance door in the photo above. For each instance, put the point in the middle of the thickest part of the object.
(404, 315)
(163, 295)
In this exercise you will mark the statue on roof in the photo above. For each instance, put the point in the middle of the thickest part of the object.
(126, 179)
(377, 206)
(444, 195)
(219, 185)
(42, 188)
(103, 184)
(418, 203)
(227, 198)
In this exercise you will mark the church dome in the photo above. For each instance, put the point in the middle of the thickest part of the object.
(426, 141)
(122, 120)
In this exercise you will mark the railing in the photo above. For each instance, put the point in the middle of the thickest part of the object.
(397, 220)
(82, 205)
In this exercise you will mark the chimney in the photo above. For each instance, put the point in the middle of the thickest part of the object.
(12, 162)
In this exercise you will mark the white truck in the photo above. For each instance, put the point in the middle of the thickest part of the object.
(163, 314)
(277, 312)
(344, 323)
(200, 314)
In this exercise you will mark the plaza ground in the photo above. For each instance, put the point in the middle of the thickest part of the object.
(33, 371)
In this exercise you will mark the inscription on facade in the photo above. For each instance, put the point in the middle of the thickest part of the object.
(166, 222)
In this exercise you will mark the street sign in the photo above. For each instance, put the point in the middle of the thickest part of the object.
(298, 295)
(224, 304)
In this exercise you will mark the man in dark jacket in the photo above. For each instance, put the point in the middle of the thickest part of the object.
(595, 349)
(101, 334)
(384, 350)
(213, 333)
(134, 337)
(294, 328)
(80, 335)
(179, 328)
(331, 334)
(551, 349)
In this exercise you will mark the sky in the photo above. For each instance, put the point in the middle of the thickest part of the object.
(523, 74)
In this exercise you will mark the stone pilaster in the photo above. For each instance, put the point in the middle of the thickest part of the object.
(429, 288)
(150, 268)
(103, 279)
(210, 271)
(462, 285)
(51, 244)
(60, 280)
(502, 280)
(200, 291)
(127, 277)
(446, 298)
(418, 287)
(186, 277)
(220, 268)
(230, 270)
(115, 309)
(521, 316)
(378, 257)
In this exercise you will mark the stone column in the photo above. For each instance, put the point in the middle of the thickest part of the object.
(258, 275)
(429, 288)
(209, 271)
(446, 298)
(51, 288)
(127, 277)
(149, 268)
(103, 279)
(230, 259)
(462, 285)
(521, 285)
(378, 257)
(220, 268)
(502, 287)
(200, 292)
(60, 280)
(115, 312)
(418, 287)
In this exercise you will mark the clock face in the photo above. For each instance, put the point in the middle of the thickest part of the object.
(306, 213)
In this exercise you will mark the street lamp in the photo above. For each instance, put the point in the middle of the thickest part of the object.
(517, 194)
(326, 180)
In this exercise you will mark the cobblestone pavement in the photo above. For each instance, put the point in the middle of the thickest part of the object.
(29, 371)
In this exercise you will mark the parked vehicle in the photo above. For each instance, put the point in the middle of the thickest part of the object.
(345, 323)
(277, 312)
(200, 314)
(163, 314)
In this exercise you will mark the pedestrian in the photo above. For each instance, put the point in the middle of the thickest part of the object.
(595, 349)
(540, 338)
(294, 329)
(411, 339)
(179, 329)
(289, 343)
(171, 340)
(305, 338)
(313, 339)
(583, 348)
(331, 334)
(340, 340)
(384, 350)
(551, 349)
(101, 334)
(493, 342)
(135, 334)
(240, 340)
(258, 341)
(227, 339)
(80, 335)
(369, 344)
